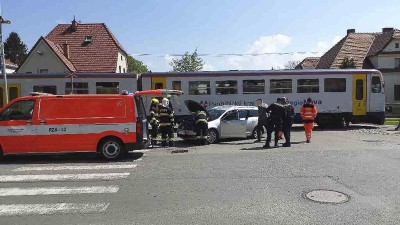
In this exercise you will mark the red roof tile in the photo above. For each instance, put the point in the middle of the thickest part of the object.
(60, 53)
(308, 63)
(100, 55)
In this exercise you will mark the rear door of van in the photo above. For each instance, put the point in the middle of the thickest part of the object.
(142, 133)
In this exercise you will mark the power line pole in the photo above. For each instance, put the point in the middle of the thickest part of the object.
(3, 60)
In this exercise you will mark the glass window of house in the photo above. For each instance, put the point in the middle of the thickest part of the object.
(280, 86)
(307, 86)
(199, 87)
(254, 87)
(226, 87)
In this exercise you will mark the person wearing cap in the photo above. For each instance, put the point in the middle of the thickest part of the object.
(287, 121)
(276, 115)
(308, 112)
(166, 118)
(154, 120)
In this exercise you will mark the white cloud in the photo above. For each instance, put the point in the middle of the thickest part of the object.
(324, 46)
(208, 67)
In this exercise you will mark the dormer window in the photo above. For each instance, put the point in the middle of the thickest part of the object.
(396, 45)
(88, 39)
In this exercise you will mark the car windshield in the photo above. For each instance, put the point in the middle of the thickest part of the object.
(215, 113)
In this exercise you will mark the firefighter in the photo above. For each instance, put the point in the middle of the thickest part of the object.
(308, 112)
(170, 103)
(276, 115)
(262, 118)
(166, 118)
(201, 127)
(287, 121)
(154, 120)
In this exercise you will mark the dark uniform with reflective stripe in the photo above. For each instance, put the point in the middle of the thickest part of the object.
(287, 123)
(166, 119)
(201, 127)
(153, 123)
(277, 114)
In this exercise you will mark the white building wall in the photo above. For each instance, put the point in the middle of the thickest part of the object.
(391, 47)
(47, 60)
(387, 61)
(122, 63)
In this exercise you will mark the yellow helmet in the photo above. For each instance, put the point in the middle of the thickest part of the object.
(154, 100)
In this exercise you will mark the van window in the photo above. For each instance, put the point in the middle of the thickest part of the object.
(79, 88)
(376, 84)
(307, 86)
(107, 87)
(199, 87)
(335, 84)
(45, 89)
(254, 87)
(21, 110)
(226, 87)
(280, 86)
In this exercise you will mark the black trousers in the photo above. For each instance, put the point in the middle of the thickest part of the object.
(201, 131)
(260, 125)
(167, 133)
(273, 126)
(287, 126)
(154, 131)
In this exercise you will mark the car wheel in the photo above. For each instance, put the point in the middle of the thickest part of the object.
(110, 148)
(254, 134)
(212, 135)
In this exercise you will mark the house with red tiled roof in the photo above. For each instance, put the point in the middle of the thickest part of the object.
(76, 48)
(380, 50)
(308, 63)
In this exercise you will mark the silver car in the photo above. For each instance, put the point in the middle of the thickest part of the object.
(224, 122)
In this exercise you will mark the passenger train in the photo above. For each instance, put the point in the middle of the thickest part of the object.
(340, 95)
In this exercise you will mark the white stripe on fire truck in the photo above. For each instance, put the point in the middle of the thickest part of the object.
(58, 129)
(47, 209)
(56, 168)
(63, 177)
(57, 190)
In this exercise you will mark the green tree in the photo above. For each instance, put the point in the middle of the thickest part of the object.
(188, 63)
(136, 66)
(15, 49)
(347, 63)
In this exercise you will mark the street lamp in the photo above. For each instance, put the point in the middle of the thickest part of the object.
(3, 60)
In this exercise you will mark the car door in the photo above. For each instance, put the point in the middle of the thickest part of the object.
(232, 126)
(17, 131)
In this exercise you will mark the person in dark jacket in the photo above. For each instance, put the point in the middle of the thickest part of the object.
(287, 121)
(276, 115)
(262, 118)
(166, 118)
(201, 127)
(154, 120)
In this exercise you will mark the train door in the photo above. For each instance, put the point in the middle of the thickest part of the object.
(359, 94)
(14, 91)
(158, 83)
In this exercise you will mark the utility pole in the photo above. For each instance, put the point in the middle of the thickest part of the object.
(3, 60)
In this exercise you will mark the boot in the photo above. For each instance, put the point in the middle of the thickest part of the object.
(266, 145)
(286, 145)
(163, 144)
(171, 144)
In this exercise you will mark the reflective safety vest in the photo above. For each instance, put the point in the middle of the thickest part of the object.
(165, 116)
(201, 116)
(308, 112)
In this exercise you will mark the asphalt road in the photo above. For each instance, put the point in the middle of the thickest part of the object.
(233, 182)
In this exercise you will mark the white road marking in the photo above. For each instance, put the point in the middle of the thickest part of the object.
(57, 190)
(47, 209)
(77, 167)
(141, 150)
(63, 177)
(140, 159)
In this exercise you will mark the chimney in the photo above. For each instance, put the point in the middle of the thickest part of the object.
(74, 25)
(66, 49)
(387, 29)
(349, 31)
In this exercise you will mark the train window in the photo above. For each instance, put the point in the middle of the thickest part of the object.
(227, 87)
(13, 93)
(376, 85)
(359, 90)
(254, 87)
(307, 86)
(335, 85)
(176, 85)
(107, 87)
(45, 89)
(199, 87)
(280, 86)
(397, 92)
(78, 88)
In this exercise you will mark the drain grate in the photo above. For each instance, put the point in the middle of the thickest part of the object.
(327, 196)
(373, 141)
(179, 151)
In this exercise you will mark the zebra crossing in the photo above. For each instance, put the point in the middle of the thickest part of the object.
(39, 181)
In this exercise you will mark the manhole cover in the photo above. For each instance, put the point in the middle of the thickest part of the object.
(326, 196)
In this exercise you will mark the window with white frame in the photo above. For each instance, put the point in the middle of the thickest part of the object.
(254, 87)
(280, 86)
(226, 87)
(199, 87)
(307, 86)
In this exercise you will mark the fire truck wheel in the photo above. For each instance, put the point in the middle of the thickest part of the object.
(110, 148)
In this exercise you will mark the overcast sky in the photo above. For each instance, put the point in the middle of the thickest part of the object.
(164, 28)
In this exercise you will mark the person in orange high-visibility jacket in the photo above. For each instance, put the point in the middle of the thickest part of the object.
(308, 112)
